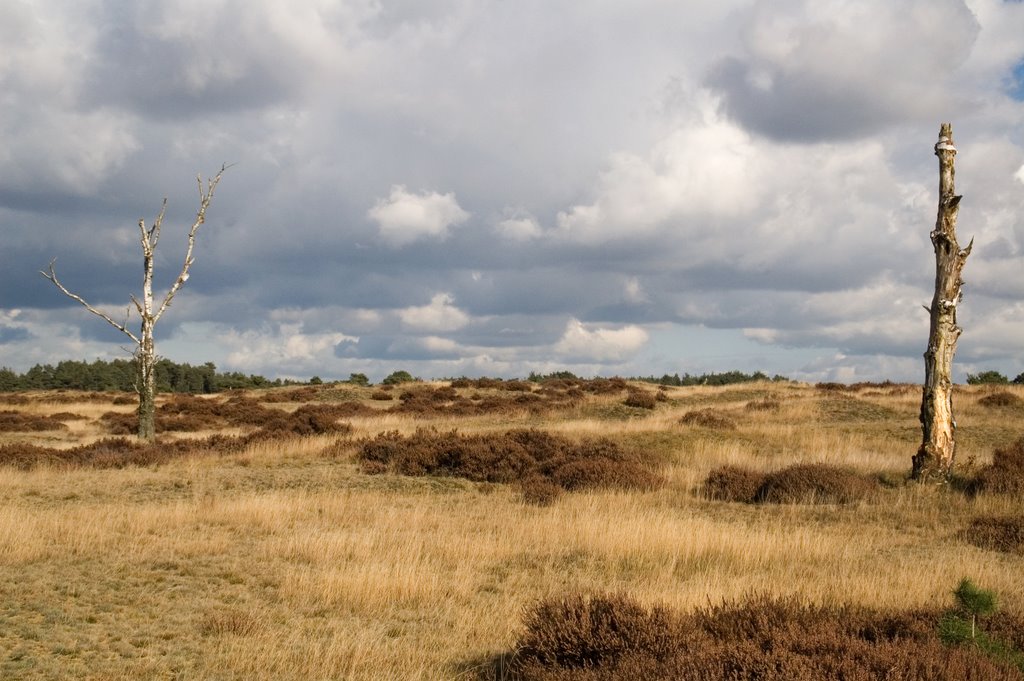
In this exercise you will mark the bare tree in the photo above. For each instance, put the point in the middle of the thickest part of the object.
(938, 447)
(145, 350)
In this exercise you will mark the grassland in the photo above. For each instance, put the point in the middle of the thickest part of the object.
(285, 560)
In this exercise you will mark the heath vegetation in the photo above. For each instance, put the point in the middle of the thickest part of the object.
(478, 529)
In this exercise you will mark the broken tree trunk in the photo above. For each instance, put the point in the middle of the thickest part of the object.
(934, 458)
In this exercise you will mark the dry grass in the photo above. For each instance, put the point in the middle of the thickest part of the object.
(284, 560)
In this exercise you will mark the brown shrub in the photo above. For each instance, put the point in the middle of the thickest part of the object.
(304, 394)
(640, 399)
(1005, 475)
(124, 399)
(309, 419)
(68, 416)
(539, 491)
(604, 638)
(517, 386)
(732, 483)
(381, 395)
(996, 533)
(605, 386)
(117, 423)
(517, 455)
(24, 456)
(16, 422)
(577, 632)
(707, 418)
(814, 483)
(425, 401)
(109, 453)
(1000, 398)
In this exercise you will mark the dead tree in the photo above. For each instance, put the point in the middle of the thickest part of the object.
(145, 350)
(934, 458)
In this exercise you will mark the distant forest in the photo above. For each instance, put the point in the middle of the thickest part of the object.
(119, 375)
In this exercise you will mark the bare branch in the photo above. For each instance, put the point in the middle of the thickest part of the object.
(138, 305)
(204, 202)
(154, 231)
(52, 276)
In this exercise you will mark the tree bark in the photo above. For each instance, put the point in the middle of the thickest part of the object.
(935, 456)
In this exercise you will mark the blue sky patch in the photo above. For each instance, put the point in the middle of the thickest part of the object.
(1016, 85)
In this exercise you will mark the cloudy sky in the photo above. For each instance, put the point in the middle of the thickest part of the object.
(493, 187)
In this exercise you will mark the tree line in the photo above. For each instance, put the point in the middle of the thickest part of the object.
(122, 375)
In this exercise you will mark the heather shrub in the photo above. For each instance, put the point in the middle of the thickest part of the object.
(309, 419)
(517, 386)
(381, 395)
(606, 638)
(641, 400)
(107, 453)
(1005, 475)
(304, 394)
(68, 416)
(426, 401)
(604, 386)
(707, 418)
(17, 422)
(996, 533)
(190, 413)
(732, 483)
(117, 423)
(526, 456)
(814, 483)
(1001, 398)
(539, 491)
(577, 632)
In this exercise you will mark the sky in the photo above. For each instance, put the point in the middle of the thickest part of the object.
(489, 187)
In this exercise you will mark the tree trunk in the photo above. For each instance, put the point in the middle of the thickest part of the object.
(936, 454)
(147, 385)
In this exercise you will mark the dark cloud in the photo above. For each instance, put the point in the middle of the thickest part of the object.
(745, 168)
(814, 72)
(796, 107)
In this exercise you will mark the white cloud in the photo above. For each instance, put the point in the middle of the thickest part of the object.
(582, 344)
(285, 346)
(405, 217)
(704, 167)
(519, 228)
(439, 315)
